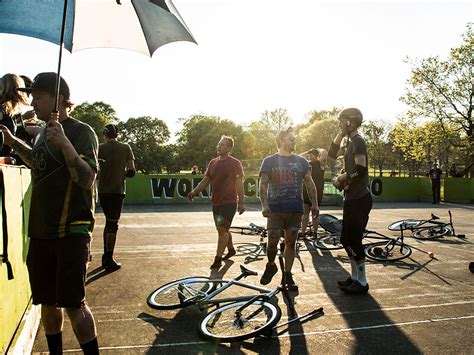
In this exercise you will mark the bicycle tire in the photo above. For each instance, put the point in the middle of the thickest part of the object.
(330, 223)
(328, 242)
(244, 230)
(169, 296)
(398, 252)
(409, 223)
(221, 326)
(431, 232)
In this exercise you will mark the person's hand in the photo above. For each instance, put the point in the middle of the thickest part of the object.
(55, 133)
(266, 212)
(314, 211)
(191, 195)
(8, 137)
(241, 208)
(339, 182)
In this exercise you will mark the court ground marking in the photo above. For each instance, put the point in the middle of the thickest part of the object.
(331, 314)
(330, 331)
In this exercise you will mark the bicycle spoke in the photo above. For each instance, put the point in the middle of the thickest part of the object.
(230, 322)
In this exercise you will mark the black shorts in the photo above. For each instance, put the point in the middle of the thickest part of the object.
(224, 214)
(111, 205)
(57, 270)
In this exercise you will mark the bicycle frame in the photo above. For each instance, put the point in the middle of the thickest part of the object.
(225, 284)
(429, 223)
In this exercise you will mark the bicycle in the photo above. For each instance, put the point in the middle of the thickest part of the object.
(387, 249)
(331, 239)
(427, 229)
(234, 318)
(254, 229)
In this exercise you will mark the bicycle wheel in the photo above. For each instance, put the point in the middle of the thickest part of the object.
(430, 232)
(386, 251)
(244, 230)
(328, 242)
(408, 223)
(330, 223)
(180, 293)
(225, 324)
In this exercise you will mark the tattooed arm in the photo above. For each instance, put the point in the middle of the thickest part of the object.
(20, 147)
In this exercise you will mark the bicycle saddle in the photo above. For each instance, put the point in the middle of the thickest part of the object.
(246, 272)
(434, 217)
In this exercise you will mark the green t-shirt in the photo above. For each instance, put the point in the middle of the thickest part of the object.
(59, 207)
(113, 157)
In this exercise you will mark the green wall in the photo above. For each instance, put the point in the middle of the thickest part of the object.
(165, 189)
(14, 294)
(459, 190)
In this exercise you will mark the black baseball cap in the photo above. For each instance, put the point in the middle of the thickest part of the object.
(47, 82)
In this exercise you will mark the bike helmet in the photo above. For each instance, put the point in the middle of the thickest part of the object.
(111, 130)
(352, 116)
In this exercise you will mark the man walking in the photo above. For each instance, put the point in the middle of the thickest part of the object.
(281, 196)
(63, 165)
(224, 174)
(357, 199)
(116, 163)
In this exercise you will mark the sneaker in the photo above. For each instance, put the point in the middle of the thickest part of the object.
(345, 283)
(217, 263)
(355, 287)
(112, 265)
(270, 271)
(289, 282)
(229, 254)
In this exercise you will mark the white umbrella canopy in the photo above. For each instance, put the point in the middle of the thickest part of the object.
(139, 25)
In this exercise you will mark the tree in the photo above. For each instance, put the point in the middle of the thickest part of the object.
(276, 120)
(198, 139)
(319, 132)
(96, 115)
(442, 90)
(147, 137)
(378, 146)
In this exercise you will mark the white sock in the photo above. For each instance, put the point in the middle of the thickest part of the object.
(361, 274)
(353, 270)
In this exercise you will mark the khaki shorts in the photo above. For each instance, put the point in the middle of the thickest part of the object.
(284, 220)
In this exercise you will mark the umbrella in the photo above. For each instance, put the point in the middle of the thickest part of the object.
(139, 25)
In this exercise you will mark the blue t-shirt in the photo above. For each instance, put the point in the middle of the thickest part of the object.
(285, 189)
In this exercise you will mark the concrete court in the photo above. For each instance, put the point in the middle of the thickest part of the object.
(418, 305)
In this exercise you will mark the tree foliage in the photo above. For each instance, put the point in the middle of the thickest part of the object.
(197, 140)
(378, 145)
(147, 137)
(96, 114)
(442, 90)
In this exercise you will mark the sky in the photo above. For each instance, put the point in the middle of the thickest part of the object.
(257, 55)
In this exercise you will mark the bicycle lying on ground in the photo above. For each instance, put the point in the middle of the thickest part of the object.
(234, 318)
(427, 229)
(254, 229)
(385, 249)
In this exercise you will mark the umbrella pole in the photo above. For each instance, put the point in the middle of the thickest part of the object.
(61, 42)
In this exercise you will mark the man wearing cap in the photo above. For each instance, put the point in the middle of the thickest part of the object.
(357, 199)
(116, 163)
(63, 164)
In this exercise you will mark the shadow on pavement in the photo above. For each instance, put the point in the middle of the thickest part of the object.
(368, 338)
